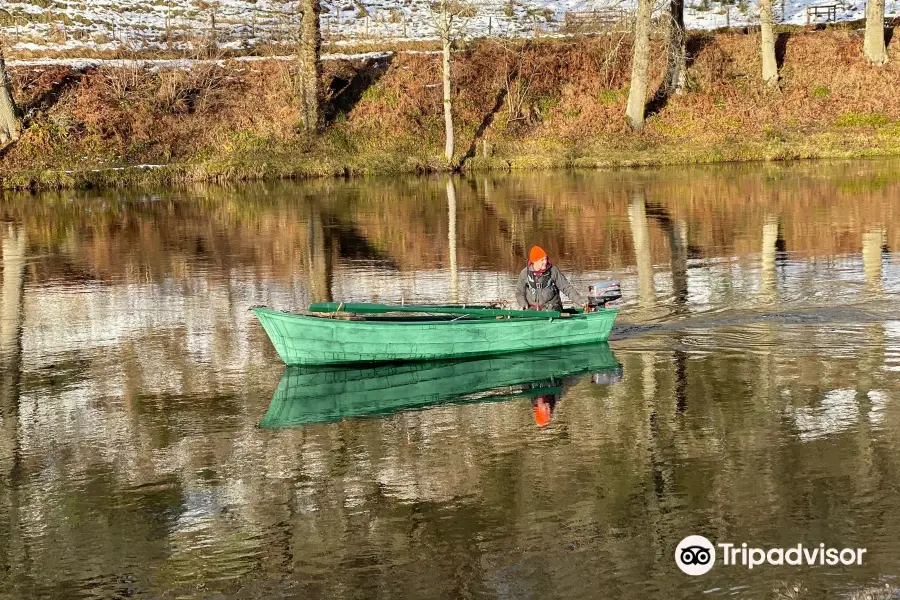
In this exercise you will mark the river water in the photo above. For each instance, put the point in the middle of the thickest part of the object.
(152, 445)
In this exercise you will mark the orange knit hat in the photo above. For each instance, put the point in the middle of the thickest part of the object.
(536, 254)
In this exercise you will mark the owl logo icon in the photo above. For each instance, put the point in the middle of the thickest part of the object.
(695, 555)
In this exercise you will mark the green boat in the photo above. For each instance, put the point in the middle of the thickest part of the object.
(329, 394)
(364, 333)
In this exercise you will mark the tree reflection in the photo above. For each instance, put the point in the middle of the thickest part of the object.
(873, 246)
(640, 234)
(320, 251)
(770, 240)
(13, 244)
(451, 240)
(134, 381)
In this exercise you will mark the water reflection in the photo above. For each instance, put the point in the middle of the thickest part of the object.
(873, 246)
(451, 240)
(317, 395)
(320, 250)
(759, 341)
(640, 233)
(770, 243)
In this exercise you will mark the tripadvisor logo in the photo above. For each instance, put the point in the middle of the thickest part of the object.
(696, 555)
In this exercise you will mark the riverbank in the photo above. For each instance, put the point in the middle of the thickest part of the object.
(533, 105)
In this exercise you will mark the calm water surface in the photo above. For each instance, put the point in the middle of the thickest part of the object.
(153, 445)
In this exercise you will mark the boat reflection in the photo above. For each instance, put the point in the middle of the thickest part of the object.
(325, 395)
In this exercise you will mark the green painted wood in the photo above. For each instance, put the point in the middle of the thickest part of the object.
(366, 308)
(312, 340)
(329, 394)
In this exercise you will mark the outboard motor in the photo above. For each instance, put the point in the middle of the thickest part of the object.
(603, 292)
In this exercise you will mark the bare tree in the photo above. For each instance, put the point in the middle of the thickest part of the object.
(10, 121)
(308, 64)
(676, 76)
(451, 18)
(873, 46)
(767, 28)
(445, 70)
(640, 64)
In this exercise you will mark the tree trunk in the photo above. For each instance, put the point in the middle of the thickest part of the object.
(640, 62)
(10, 123)
(448, 101)
(309, 66)
(767, 26)
(676, 77)
(874, 47)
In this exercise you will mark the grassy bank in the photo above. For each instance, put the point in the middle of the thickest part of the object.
(286, 165)
(546, 104)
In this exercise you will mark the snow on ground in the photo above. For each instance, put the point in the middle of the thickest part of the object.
(80, 64)
(98, 25)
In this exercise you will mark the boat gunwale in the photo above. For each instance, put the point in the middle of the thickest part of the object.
(459, 320)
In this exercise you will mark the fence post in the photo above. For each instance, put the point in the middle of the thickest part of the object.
(490, 19)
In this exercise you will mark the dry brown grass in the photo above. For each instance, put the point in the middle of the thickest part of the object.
(539, 104)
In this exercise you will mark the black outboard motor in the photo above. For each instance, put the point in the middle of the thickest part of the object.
(603, 292)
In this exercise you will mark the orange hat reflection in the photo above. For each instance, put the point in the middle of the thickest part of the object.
(543, 411)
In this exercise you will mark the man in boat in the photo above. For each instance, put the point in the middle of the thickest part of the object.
(540, 283)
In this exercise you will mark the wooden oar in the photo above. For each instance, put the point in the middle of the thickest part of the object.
(366, 308)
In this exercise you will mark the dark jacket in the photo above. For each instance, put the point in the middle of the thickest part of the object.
(541, 292)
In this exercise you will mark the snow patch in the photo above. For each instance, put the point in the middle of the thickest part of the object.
(178, 63)
(244, 24)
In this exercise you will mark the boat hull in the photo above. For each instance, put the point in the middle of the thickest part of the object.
(328, 394)
(308, 340)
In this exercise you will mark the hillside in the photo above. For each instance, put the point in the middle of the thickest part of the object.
(547, 103)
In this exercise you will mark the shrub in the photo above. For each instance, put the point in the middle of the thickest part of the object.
(857, 119)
